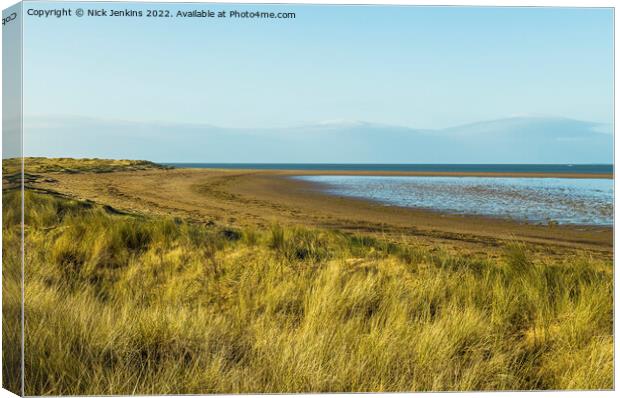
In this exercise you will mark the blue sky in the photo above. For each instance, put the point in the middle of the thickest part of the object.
(411, 66)
(418, 67)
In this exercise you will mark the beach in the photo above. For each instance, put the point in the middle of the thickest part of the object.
(263, 197)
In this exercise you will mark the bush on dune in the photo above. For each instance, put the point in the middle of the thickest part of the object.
(119, 304)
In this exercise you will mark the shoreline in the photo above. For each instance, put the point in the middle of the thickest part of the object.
(388, 173)
(260, 198)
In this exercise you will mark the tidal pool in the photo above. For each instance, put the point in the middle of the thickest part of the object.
(582, 201)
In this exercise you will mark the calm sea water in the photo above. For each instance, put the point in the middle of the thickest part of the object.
(540, 200)
(505, 168)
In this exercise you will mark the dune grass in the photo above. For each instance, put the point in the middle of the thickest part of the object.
(119, 304)
(71, 165)
(11, 290)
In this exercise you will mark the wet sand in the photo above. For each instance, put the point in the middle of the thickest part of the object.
(262, 197)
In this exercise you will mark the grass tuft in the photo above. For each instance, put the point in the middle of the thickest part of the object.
(120, 304)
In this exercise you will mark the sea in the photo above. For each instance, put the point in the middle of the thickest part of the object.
(497, 168)
(571, 201)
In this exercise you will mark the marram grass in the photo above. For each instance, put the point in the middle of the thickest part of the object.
(71, 165)
(132, 305)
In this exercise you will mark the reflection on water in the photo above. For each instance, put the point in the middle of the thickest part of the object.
(561, 200)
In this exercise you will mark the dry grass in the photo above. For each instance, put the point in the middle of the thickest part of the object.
(71, 165)
(122, 305)
(11, 291)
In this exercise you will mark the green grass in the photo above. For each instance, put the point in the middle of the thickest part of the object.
(119, 304)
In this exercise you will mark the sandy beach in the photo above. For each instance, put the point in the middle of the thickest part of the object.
(262, 197)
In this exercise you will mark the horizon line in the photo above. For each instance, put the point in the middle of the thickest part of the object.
(390, 164)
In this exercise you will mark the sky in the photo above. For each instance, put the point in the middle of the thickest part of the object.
(416, 67)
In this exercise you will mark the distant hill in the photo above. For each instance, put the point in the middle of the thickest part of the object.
(510, 140)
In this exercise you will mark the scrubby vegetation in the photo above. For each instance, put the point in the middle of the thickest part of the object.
(71, 165)
(119, 304)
